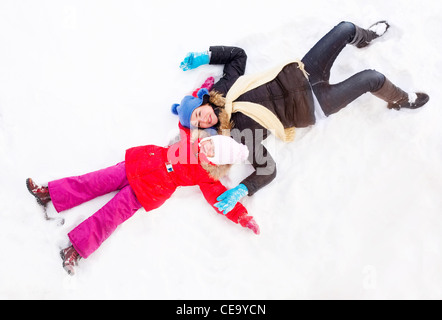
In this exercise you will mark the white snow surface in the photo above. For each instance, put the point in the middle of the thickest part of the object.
(354, 213)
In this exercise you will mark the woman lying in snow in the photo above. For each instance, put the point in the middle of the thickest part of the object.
(290, 96)
(147, 178)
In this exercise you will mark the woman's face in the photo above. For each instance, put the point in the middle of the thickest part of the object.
(203, 117)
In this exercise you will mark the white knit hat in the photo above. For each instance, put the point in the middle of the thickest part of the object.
(227, 150)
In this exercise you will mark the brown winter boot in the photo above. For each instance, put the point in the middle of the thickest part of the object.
(363, 37)
(70, 258)
(40, 193)
(397, 98)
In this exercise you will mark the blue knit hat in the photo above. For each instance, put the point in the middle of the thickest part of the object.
(188, 105)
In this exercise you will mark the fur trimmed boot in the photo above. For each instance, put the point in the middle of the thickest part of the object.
(398, 99)
(363, 37)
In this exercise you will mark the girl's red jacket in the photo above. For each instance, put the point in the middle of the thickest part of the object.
(156, 172)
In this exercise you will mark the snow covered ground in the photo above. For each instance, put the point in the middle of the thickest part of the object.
(355, 212)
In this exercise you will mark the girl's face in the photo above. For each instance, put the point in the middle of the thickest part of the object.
(203, 117)
(207, 148)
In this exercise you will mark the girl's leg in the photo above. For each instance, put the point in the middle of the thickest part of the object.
(70, 192)
(333, 98)
(90, 234)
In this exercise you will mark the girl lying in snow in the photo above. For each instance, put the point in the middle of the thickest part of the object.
(147, 178)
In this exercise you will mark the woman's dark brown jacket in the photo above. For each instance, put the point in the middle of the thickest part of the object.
(288, 96)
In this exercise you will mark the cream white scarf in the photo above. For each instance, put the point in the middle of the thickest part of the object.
(257, 112)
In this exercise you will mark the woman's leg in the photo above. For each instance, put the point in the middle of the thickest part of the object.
(333, 98)
(319, 60)
(91, 233)
(70, 192)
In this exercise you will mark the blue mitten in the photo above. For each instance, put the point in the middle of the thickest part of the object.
(194, 60)
(229, 199)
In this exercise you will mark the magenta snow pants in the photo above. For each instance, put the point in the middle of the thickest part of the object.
(70, 192)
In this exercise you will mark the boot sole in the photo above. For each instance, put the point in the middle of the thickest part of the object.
(379, 22)
(424, 100)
